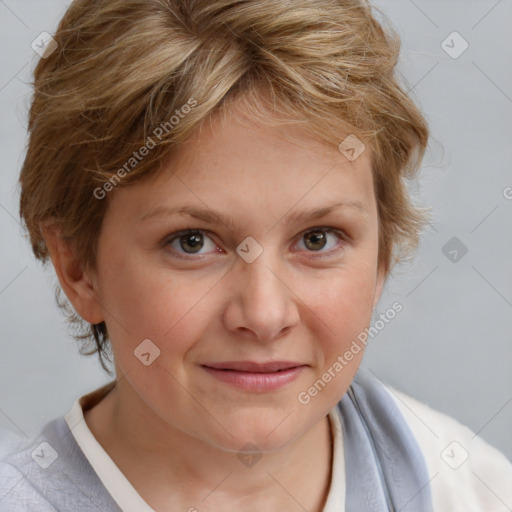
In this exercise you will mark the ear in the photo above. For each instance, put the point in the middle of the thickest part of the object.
(76, 283)
(379, 284)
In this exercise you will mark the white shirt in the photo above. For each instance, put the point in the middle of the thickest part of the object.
(467, 474)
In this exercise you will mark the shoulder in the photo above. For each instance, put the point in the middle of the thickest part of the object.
(466, 473)
(17, 490)
(49, 472)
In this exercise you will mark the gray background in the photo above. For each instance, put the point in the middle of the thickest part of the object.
(451, 345)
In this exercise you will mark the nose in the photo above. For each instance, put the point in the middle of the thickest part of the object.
(261, 303)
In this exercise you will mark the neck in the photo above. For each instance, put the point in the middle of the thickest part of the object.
(173, 470)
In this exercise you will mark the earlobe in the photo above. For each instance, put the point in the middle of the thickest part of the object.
(74, 280)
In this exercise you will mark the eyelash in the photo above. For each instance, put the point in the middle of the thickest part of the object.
(175, 236)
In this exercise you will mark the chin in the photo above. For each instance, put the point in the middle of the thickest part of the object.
(267, 436)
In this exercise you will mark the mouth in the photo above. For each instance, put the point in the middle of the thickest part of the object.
(254, 367)
(255, 377)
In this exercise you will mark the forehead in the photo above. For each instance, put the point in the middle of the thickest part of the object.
(231, 163)
(235, 137)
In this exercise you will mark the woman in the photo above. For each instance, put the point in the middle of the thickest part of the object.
(220, 188)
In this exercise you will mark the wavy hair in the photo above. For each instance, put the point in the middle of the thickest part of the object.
(123, 68)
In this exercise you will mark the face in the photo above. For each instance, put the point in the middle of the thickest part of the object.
(244, 271)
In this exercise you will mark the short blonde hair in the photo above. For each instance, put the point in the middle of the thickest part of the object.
(127, 72)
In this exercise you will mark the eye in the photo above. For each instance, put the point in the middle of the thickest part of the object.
(317, 239)
(189, 242)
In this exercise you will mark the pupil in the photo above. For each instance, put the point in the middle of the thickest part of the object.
(193, 240)
(316, 237)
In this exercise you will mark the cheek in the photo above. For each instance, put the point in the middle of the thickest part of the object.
(344, 301)
(341, 311)
(144, 301)
(343, 306)
(130, 297)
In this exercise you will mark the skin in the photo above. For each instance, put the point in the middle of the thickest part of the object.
(174, 430)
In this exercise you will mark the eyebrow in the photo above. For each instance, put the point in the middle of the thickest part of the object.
(212, 217)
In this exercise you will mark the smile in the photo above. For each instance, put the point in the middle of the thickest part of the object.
(258, 381)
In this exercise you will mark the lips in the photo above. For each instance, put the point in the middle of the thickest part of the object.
(253, 377)
(254, 367)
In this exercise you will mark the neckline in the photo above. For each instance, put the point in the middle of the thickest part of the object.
(126, 496)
